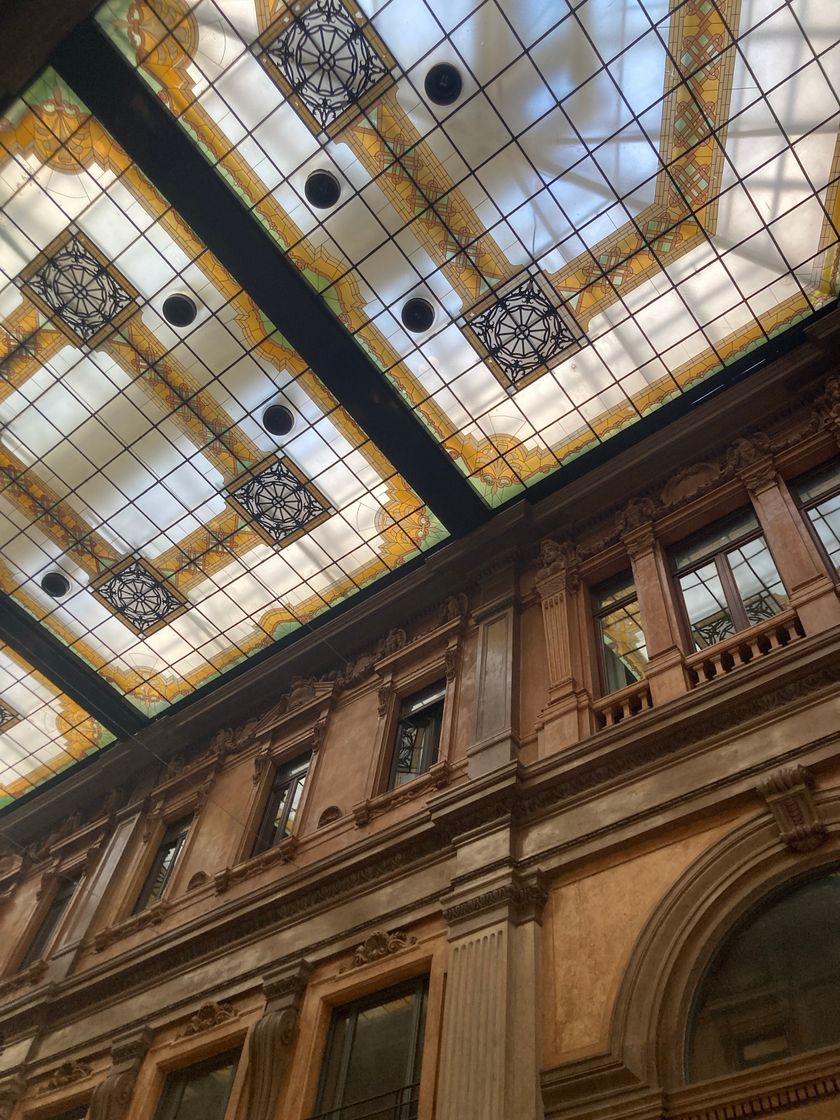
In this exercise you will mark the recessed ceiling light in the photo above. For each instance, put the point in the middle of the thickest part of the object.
(56, 584)
(322, 189)
(443, 84)
(417, 315)
(278, 420)
(179, 310)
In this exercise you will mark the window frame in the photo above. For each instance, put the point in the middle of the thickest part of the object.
(437, 701)
(51, 888)
(295, 780)
(419, 984)
(732, 596)
(805, 505)
(232, 1055)
(597, 614)
(141, 904)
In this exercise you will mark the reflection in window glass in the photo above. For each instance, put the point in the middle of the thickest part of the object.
(164, 864)
(200, 1092)
(372, 1065)
(622, 640)
(418, 735)
(774, 987)
(728, 580)
(283, 802)
(819, 495)
(49, 923)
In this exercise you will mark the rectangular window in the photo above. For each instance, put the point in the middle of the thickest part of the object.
(418, 735)
(620, 634)
(283, 802)
(164, 864)
(372, 1064)
(49, 923)
(200, 1092)
(819, 495)
(728, 579)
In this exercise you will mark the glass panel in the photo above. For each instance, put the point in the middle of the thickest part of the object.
(705, 603)
(825, 517)
(824, 480)
(50, 922)
(418, 735)
(702, 545)
(164, 864)
(282, 806)
(620, 631)
(200, 1093)
(759, 583)
(774, 988)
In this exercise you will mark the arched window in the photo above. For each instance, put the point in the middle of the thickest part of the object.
(773, 988)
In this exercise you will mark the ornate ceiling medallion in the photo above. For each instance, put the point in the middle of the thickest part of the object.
(136, 593)
(74, 283)
(328, 61)
(522, 330)
(278, 501)
(8, 716)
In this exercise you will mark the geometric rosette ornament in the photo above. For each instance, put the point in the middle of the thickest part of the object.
(73, 281)
(8, 716)
(325, 63)
(136, 594)
(278, 501)
(520, 331)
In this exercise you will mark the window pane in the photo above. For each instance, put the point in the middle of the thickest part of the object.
(49, 923)
(164, 864)
(714, 539)
(199, 1093)
(822, 481)
(825, 518)
(705, 603)
(623, 643)
(759, 584)
(774, 988)
(418, 735)
(282, 805)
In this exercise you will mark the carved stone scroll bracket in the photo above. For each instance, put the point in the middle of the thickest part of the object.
(271, 1037)
(789, 796)
(379, 945)
(111, 1097)
(10, 1093)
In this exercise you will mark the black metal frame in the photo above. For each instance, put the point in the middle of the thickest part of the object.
(175, 837)
(598, 614)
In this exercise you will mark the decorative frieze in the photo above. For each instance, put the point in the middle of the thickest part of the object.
(380, 945)
(789, 796)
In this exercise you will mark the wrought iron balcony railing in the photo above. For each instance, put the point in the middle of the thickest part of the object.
(397, 1104)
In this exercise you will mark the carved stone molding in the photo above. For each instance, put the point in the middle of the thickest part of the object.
(379, 945)
(111, 1097)
(789, 797)
(767, 1104)
(558, 558)
(383, 698)
(10, 1093)
(284, 852)
(68, 1073)
(209, 1015)
(32, 974)
(271, 1037)
(640, 540)
(635, 513)
(523, 898)
(438, 776)
(153, 916)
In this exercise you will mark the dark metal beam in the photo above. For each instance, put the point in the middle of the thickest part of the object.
(67, 670)
(125, 105)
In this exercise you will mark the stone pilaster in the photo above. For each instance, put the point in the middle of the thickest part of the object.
(567, 717)
(11, 1091)
(111, 1097)
(659, 613)
(495, 737)
(794, 551)
(271, 1038)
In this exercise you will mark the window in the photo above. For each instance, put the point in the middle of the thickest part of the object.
(372, 1065)
(164, 864)
(200, 1092)
(774, 987)
(49, 923)
(73, 1114)
(621, 638)
(728, 579)
(283, 801)
(418, 735)
(819, 496)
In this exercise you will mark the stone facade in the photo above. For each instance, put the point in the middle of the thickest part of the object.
(561, 873)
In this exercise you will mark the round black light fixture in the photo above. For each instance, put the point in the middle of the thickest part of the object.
(56, 584)
(443, 84)
(179, 310)
(322, 189)
(277, 420)
(417, 315)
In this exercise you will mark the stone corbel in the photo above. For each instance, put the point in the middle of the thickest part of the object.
(788, 793)
(11, 1092)
(271, 1037)
(112, 1096)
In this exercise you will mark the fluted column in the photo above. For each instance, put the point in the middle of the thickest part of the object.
(794, 550)
(271, 1038)
(111, 1097)
(490, 1041)
(567, 717)
(665, 670)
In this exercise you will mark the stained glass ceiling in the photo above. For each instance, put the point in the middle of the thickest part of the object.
(540, 220)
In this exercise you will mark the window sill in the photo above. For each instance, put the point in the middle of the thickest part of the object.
(283, 852)
(438, 776)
